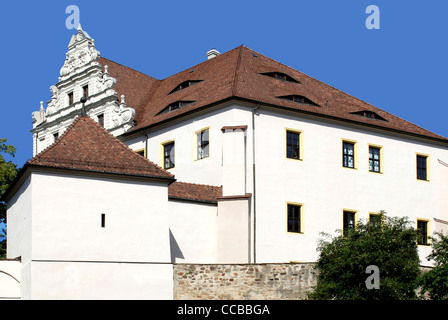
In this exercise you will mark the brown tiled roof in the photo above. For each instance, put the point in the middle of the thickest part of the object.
(87, 146)
(239, 74)
(136, 86)
(194, 192)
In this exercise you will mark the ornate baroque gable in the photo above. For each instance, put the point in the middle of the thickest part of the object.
(82, 75)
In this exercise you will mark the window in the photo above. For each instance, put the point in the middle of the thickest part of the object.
(422, 167)
(294, 218)
(348, 154)
(85, 91)
(56, 136)
(349, 221)
(185, 85)
(174, 106)
(422, 228)
(141, 152)
(101, 119)
(203, 143)
(70, 98)
(103, 220)
(299, 99)
(369, 114)
(280, 76)
(374, 159)
(374, 219)
(292, 145)
(168, 155)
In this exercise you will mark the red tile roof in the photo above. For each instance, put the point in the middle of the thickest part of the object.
(87, 146)
(194, 192)
(239, 74)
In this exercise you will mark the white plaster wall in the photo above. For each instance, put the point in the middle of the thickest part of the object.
(67, 219)
(233, 231)
(233, 168)
(188, 169)
(325, 188)
(101, 281)
(10, 276)
(193, 232)
(19, 217)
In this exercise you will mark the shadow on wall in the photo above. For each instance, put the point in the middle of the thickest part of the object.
(175, 249)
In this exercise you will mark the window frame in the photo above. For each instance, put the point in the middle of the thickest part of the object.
(300, 144)
(355, 154)
(163, 156)
(426, 157)
(141, 152)
(427, 238)
(355, 219)
(199, 144)
(374, 215)
(301, 220)
(380, 158)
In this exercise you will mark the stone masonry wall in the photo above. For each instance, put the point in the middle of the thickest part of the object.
(243, 281)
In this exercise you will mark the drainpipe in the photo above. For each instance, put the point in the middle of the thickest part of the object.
(254, 193)
(146, 144)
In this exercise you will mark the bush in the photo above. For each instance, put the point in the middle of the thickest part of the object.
(389, 244)
(435, 281)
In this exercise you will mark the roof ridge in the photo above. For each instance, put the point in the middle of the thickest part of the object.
(203, 62)
(237, 68)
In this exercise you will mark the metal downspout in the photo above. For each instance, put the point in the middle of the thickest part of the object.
(254, 192)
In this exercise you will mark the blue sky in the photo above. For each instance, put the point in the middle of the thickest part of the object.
(401, 68)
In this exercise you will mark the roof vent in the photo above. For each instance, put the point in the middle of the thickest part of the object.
(212, 54)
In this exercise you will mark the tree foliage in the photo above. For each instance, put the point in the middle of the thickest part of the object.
(8, 171)
(389, 244)
(435, 281)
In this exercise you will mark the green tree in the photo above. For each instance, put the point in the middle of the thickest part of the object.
(389, 243)
(435, 281)
(8, 172)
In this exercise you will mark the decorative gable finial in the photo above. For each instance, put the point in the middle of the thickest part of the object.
(81, 53)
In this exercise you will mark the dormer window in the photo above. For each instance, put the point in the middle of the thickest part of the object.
(299, 99)
(185, 85)
(280, 76)
(369, 114)
(174, 106)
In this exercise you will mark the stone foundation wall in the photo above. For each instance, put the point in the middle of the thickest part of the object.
(243, 282)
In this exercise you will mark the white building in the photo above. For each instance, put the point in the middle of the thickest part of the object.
(247, 161)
